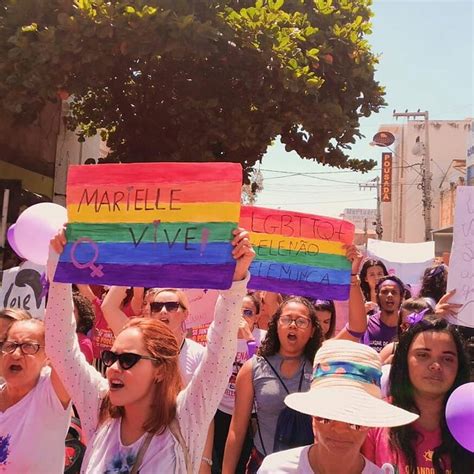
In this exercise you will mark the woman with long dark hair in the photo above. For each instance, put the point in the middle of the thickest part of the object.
(429, 364)
(283, 365)
(371, 272)
(434, 284)
(326, 314)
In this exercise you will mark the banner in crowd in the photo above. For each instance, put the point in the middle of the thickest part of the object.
(199, 334)
(406, 261)
(153, 224)
(461, 261)
(25, 287)
(298, 254)
(201, 306)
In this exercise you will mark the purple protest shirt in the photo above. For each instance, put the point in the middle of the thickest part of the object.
(378, 334)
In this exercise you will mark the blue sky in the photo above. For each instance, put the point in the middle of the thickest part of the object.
(426, 63)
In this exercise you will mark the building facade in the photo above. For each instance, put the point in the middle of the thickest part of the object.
(403, 216)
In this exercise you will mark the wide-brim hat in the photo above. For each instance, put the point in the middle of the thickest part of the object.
(346, 387)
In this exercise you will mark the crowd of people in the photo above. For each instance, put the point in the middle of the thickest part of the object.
(276, 388)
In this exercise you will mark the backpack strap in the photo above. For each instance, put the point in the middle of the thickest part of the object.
(276, 373)
(301, 378)
(256, 412)
(176, 432)
(141, 453)
(258, 426)
(281, 381)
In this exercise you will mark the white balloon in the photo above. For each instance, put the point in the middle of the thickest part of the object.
(35, 227)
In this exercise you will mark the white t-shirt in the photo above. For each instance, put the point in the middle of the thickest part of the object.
(106, 453)
(242, 355)
(32, 432)
(190, 357)
(295, 461)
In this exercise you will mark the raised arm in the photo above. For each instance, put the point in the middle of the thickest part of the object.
(240, 419)
(198, 402)
(85, 290)
(137, 300)
(115, 317)
(444, 308)
(79, 378)
(357, 324)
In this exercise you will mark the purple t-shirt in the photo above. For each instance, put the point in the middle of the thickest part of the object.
(378, 334)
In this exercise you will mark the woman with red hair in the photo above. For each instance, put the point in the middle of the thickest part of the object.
(138, 418)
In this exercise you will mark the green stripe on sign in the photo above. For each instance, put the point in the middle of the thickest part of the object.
(311, 259)
(159, 232)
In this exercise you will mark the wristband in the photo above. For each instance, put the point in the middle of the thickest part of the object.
(356, 334)
(207, 461)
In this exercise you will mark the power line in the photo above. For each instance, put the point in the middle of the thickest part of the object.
(316, 202)
(309, 173)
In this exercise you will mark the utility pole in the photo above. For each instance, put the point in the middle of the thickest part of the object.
(366, 238)
(426, 169)
(375, 183)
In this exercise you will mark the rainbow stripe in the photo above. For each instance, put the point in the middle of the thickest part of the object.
(299, 254)
(154, 224)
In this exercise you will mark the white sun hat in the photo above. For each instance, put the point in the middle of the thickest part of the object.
(346, 387)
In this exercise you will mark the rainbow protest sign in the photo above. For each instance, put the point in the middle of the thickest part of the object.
(154, 224)
(298, 254)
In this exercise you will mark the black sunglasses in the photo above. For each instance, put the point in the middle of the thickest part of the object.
(126, 360)
(170, 306)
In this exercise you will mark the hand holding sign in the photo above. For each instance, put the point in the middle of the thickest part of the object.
(243, 252)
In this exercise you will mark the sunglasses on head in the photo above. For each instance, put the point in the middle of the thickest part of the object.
(170, 306)
(126, 360)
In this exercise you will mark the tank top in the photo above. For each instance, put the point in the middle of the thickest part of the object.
(269, 395)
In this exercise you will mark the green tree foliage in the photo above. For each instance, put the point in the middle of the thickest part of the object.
(196, 80)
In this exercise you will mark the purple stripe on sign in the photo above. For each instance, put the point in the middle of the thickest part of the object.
(301, 288)
(169, 276)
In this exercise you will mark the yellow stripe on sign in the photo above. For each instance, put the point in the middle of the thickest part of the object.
(297, 244)
(193, 212)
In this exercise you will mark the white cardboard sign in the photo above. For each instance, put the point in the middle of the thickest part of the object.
(406, 261)
(23, 287)
(461, 261)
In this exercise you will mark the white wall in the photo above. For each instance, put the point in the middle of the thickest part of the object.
(402, 219)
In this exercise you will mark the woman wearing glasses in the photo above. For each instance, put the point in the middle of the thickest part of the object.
(283, 365)
(250, 337)
(138, 418)
(34, 406)
(171, 307)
